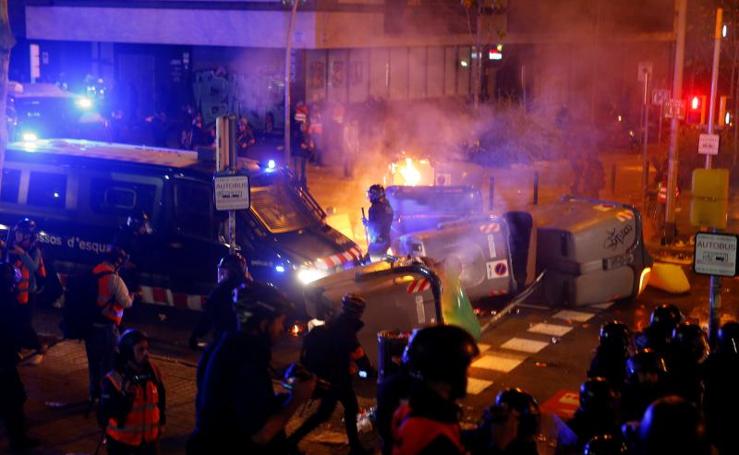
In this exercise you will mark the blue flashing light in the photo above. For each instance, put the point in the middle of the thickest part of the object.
(271, 164)
(280, 268)
(29, 136)
(84, 103)
(56, 195)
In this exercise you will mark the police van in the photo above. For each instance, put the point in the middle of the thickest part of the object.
(80, 192)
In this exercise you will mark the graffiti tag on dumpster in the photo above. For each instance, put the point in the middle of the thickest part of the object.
(616, 238)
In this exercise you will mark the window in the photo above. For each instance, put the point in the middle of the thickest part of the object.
(121, 198)
(11, 183)
(194, 209)
(47, 190)
(279, 209)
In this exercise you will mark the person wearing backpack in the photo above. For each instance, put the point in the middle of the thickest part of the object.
(333, 353)
(133, 400)
(112, 298)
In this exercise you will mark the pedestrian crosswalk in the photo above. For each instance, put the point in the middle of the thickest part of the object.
(498, 359)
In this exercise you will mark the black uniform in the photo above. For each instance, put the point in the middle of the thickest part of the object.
(218, 314)
(721, 400)
(236, 398)
(378, 227)
(339, 349)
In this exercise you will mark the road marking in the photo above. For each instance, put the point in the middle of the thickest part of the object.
(570, 315)
(564, 403)
(497, 363)
(602, 306)
(550, 329)
(475, 386)
(483, 347)
(524, 345)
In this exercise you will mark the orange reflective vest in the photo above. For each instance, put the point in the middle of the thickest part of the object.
(110, 309)
(24, 287)
(141, 424)
(412, 434)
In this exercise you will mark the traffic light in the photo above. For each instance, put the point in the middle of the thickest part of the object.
(724, 116)
(697, 110)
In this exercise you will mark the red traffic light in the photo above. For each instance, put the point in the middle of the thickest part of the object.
(695, 103)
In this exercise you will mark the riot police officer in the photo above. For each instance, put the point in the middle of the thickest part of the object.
(25, 255)
(598, 410)
(646, 381)
(509, 426)
(657, 335)
(334, 354)
(437, 359)
(672, 425)
(721, 399)
(379, 222)
(605, 444)
(688, 351)
(134, 237)
(218, 313)
(237, 409)
(613, 349)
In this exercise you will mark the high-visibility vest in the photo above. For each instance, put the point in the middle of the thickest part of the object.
(110, 309)
(412, 434)
(24, 286)
(141, 424)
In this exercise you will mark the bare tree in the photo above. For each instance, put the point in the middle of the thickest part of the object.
(6, 44)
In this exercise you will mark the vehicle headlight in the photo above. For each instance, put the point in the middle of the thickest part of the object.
(309, 275)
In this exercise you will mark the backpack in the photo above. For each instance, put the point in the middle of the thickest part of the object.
(80, 304)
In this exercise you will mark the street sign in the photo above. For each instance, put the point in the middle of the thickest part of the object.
(231, 192)
(708, 144)
(644, 70)
(660, 96)
(675, 108)
(715, 254)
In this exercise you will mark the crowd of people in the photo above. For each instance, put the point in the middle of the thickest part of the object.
(660, 391)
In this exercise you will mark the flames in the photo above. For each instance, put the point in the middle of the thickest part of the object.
(411, 172)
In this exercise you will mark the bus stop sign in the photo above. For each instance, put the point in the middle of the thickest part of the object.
(231, 192)
(715, 254)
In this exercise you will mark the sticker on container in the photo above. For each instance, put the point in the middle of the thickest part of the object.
(497, 269)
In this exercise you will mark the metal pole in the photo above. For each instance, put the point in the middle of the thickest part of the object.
(714, 75)
(491, 192)
(659, 124)
(226, 163)
(677, 94)
(288, 54)
(536, 188)
(645, 151)
(714, 298)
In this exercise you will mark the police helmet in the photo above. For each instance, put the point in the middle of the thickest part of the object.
(645, 361)
(235, 263)
(256, 302)
(665, 318)
(10, 277)
(441, 353)
(127, 341)
(27, 228)
(375, 193)
(597, 395)
(616, 335)
(353, 305)
(690, 341)
(605, 444)
(728, 338)
(515, 399)
(671, 425)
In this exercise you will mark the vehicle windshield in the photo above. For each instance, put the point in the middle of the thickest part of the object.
(279, 209)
